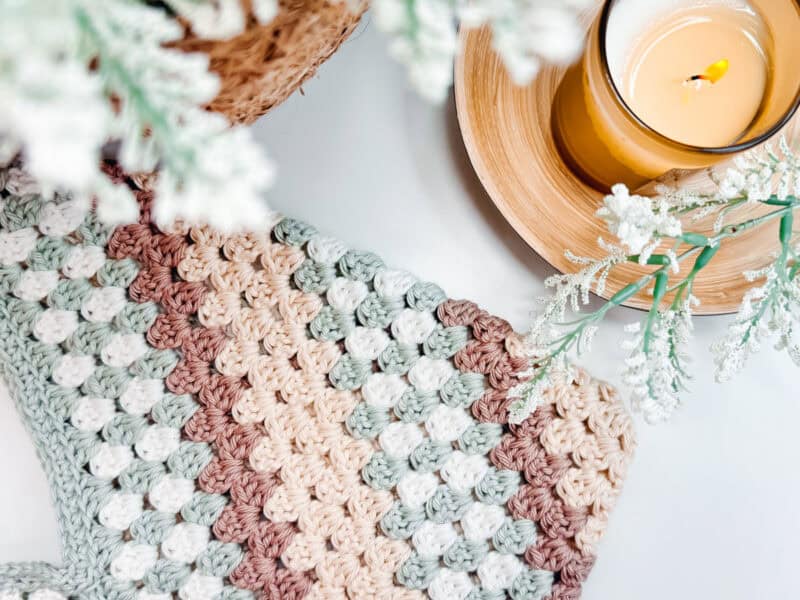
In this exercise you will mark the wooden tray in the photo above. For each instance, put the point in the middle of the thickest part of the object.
(506, 130)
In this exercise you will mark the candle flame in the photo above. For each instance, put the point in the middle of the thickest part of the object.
(713, 73)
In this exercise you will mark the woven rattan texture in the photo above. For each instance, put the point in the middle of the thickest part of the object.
(263, 65)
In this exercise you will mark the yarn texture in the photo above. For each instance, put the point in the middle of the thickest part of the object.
(274, 415)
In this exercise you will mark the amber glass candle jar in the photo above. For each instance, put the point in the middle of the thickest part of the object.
(626, 112)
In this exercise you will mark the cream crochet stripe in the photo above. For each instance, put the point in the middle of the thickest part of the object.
(273, 415)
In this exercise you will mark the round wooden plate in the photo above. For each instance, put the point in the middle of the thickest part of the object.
(506, 130)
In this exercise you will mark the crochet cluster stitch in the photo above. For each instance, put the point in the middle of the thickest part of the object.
(273, 415)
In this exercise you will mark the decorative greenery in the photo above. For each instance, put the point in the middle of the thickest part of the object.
(77, 74)
(650, 233)
(526, 33)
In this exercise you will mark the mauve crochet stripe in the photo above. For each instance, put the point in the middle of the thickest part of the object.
(242, 520)
(303, 442)
(273, 415)
(539, 499)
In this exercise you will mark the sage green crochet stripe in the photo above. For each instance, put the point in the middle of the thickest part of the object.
(65, 450)
(26, 366)
(415, 406)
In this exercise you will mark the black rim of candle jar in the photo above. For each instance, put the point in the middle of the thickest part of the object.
(602, 32)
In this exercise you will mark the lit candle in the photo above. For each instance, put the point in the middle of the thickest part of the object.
(677, 84)
(657, 82)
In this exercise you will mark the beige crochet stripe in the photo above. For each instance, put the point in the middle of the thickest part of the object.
(573, 451)
(595, 431)
(320, 491)
(587, 436)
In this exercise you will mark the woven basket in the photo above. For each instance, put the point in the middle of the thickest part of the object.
(263, 65)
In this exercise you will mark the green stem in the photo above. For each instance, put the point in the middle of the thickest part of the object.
(135, 96)
(775, 201)
(658, 295)
(785, 236)
(794, 270)
(688, 209)
(683, 289)
(733, 205)
(730, 231)
(708, 252)
(705, 254)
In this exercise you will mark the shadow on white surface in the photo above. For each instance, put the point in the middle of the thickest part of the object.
(27, 517)
(708, 507)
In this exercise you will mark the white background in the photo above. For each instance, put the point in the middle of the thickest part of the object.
(710, 506)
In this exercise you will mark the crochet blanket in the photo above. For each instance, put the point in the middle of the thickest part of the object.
(273, 415)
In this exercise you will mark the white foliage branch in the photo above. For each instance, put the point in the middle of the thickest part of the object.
(650, 232)
(220, 19)
(77, 74)
(526, 34)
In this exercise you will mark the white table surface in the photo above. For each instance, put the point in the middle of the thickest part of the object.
(707, 508)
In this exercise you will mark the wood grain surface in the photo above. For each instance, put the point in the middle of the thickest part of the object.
(507, 133)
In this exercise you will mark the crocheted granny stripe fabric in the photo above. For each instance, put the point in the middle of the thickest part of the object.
(272, 415)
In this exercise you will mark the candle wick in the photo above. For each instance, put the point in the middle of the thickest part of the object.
(712, 74)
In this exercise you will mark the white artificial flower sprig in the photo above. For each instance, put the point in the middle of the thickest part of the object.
(656, 366)
(81, 76)
(526, 34)
(636, 221)
(771, 309)
(220, 19)
(650, 233)
(78, 74)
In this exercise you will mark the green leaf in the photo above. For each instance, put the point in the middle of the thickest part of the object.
(660, 288)
(703, 259)
(694, 239)
(655, 259)
(786, 228)
(625, 293)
